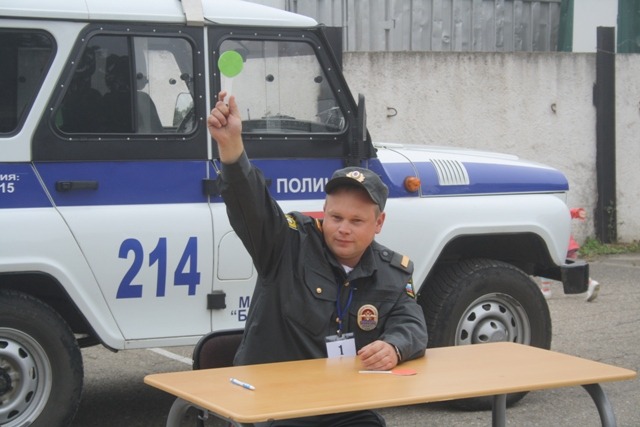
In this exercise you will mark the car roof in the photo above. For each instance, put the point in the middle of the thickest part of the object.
(226, 12)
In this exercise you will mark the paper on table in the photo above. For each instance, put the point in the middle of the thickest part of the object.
(400, 372)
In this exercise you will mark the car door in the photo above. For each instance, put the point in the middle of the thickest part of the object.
(123, 157)
(295, 129)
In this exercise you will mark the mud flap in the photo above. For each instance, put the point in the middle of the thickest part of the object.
(575, 276)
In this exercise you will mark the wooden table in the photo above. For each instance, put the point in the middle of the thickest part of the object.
(323, 386)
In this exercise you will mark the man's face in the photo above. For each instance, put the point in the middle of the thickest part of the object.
(350, 223)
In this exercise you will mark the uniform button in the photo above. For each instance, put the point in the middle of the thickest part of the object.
(385, 253)
(318, 290)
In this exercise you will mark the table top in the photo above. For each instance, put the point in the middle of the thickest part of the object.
(322, 386)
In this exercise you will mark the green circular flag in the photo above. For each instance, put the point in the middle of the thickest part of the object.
(230, 63)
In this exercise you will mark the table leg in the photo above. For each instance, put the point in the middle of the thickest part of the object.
(607, 417)
(499, 410)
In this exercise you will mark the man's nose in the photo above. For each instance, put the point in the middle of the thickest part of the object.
(344, 228)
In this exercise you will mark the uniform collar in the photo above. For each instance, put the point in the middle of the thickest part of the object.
(366, 267)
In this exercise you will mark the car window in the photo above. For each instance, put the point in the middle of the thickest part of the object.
(282, 86)
(24, 59)
(132, 85)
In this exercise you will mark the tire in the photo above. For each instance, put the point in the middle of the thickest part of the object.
(479, 300)
(41, 369)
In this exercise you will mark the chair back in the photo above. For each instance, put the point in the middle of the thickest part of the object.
(217, 349)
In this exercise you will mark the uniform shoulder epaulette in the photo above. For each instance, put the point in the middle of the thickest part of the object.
(402, 262)
(397, 260)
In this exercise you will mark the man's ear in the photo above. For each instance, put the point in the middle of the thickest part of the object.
(380, 222)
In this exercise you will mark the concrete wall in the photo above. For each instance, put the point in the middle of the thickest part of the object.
(535, 105)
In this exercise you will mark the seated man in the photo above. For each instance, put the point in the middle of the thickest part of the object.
(318, 280)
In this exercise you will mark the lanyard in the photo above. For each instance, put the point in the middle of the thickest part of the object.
(341, 311)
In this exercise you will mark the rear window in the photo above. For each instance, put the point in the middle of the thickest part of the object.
(130, 85)
(25, 58)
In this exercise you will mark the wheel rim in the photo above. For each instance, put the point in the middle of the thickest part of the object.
(25, 378)
(493, 318)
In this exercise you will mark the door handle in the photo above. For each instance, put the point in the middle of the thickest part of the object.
(63, 186)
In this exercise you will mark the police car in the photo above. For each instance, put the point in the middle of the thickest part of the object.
(112, 230)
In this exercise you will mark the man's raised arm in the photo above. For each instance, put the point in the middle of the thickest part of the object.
(225, 126)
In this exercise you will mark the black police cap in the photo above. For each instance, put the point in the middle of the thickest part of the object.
(363, 178)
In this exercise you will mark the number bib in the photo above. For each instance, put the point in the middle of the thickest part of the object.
(338, 346)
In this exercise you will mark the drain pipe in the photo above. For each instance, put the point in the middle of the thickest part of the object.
(604, 99)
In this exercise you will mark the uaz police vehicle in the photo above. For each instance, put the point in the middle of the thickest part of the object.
(112, 230)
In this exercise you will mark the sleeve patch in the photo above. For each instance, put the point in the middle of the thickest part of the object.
(409, 289)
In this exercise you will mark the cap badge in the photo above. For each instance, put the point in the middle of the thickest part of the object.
(356, 175)
(368, 317)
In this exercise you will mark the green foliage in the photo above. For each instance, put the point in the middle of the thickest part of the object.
(593, 247)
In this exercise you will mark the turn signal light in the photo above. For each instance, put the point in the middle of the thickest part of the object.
(412, 184)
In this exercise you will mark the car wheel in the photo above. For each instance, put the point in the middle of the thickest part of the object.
(40, 364)
(479, 301)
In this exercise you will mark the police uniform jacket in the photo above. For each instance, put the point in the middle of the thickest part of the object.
(300, 284)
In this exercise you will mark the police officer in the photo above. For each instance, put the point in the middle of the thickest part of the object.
(325, 288)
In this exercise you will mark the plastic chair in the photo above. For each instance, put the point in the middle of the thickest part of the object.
(214, 350)
(217, 349)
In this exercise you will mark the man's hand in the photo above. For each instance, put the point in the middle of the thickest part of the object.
(378, 356)
(225, 126)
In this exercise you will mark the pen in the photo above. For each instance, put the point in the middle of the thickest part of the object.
(242, 384)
